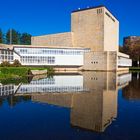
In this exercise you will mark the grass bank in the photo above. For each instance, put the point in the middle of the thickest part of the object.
(20, 72)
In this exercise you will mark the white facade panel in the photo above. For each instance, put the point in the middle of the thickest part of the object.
(16, 56)
(124, 62)
(69, 60)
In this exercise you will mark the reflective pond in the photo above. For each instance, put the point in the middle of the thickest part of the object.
(78, 106)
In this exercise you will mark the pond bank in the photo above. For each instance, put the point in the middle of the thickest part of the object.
(134, 69)
(20, 72)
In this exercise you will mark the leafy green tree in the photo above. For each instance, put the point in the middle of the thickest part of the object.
(25, 39)
(1, 36)
(14, 35)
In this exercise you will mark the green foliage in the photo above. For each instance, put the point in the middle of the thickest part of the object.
(21, 71)
(5, 64)
(25, 39)
(14, 35)
(1, 36)
(16, 63)
(14, 80)
(132, 49)
(18, 38)
(50, 71)
(13, 74)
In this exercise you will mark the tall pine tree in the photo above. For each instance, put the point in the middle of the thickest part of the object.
(1, 36)
(14, 35)
(25, 39)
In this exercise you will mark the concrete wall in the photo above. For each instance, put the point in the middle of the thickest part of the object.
(111, 32)
(87, 27)
(61, 39)
(95, 61)
(112, 61)
(100, 61)
(95, 28)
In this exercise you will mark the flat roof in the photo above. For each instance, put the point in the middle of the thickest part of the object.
(7, 49)
(94, 7)
(49, 47)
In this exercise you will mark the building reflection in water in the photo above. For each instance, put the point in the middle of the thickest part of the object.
(6, 90)
(57, 83)
(93, 102)
(91, 96)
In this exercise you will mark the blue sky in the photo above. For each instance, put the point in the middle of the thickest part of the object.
(39, 17)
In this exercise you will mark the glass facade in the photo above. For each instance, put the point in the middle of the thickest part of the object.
(50, 56)
(50, 51)
(38, 59)
(6, 55)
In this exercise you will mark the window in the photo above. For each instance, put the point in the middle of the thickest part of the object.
(99, 11)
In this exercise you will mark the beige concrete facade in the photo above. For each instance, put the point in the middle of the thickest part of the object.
(95, 28)
(111, 32)
(100, 61)
(60, 39)
(87, 27)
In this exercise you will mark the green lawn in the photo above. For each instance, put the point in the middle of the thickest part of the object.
(19, 72)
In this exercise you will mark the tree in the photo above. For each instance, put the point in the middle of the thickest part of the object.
(1, 36)
(121, 49)
(14, 36)
(25, 39)
(133, 49)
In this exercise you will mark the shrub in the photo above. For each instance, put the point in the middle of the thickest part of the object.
(16, 63)
(5, 64)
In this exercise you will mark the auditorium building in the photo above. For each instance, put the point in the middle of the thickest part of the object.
(92, 44)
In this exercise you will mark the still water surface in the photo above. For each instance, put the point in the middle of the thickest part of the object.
(86, 106)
